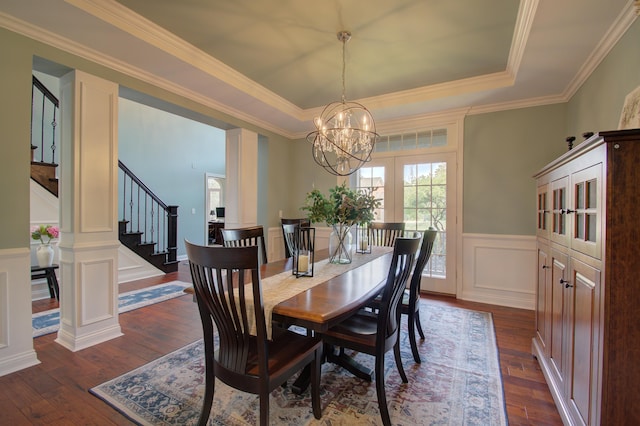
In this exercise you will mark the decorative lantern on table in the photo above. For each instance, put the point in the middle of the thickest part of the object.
(303, 251)
(363, 245)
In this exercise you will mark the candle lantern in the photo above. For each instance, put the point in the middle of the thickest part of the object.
(363, 244)
(303, 251)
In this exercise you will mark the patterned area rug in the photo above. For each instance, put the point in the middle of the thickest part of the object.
(49, 321)
(458, 383)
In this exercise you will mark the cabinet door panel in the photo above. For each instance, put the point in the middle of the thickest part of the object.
(559, 262)
(584, 336)
(543, 313)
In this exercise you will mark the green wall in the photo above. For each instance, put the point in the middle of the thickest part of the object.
(598, 103)
(15, 117)
(502, 151)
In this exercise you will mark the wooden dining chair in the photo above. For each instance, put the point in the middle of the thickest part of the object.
(286, 232)
(249, 363)
(376, 333)
(385, 233)
(244, 237)
(410, 303)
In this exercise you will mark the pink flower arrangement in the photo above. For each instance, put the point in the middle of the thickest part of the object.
(44, 231)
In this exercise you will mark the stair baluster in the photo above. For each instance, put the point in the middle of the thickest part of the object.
(148, 226)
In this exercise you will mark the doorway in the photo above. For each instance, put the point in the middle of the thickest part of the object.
(214, 211)
(418, 186)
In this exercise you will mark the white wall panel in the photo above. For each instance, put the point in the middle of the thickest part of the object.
(499, 269)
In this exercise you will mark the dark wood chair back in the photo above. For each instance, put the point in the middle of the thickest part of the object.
(377, 333)
(244, 360)
(245, 237)
(385, 233)
(297, 237)
(287, 230)
(410, 301)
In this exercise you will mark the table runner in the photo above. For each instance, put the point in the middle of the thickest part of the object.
(280, 287)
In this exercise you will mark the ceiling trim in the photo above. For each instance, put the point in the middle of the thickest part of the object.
(613, 35)
(138, 26)
(143, 29)
(70, 46)
(524, 23)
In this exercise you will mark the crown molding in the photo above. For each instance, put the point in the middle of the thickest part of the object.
(126, 20)
(616, 31)
(518, 104)
(524, 23)
(70, 46)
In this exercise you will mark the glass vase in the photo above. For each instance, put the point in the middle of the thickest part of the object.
(340, 247)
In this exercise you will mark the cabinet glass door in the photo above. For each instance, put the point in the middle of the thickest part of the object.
(559, 217)
(542, 226)
(586, 225)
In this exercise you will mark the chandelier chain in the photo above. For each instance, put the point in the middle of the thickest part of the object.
(344, 67)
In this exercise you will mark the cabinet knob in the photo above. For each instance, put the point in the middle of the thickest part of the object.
(566, 283)
(545, 267)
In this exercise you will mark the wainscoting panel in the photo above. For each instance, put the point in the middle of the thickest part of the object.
(96, 291)
(499, 269)
(16, 341)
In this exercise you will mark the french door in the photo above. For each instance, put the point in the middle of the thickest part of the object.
(420, 190)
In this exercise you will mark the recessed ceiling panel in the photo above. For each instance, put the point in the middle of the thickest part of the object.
(290, 47)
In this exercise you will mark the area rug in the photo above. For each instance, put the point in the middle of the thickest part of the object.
(458, 383)
(49, 321)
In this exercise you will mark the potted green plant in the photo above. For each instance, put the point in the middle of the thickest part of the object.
(341, 209)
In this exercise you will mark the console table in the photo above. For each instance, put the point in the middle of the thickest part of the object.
(48, 272)
(215, 234)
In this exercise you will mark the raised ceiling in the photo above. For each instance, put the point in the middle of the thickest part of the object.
(275, 63)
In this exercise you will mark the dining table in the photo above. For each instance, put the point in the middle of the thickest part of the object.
(334, 293)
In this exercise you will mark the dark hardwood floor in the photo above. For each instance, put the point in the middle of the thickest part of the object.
(55, 392)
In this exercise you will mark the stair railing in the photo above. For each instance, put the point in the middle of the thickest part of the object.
(145, 213)
(44, 110)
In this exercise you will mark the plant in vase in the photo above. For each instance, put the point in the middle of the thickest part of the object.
(343, 208)
(44, 234)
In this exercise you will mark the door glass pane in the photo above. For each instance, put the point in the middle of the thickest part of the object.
(580, 196)
(425, 205)
(373, 178)
(591, 227)
(592, 194)
(579, 226)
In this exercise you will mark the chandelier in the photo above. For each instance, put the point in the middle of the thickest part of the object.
(345, 131)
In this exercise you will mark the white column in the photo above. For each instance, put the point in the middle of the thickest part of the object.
(241, 194)
(16, 343)
(88, 202)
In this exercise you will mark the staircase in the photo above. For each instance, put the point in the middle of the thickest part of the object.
(146, 225)
(44, 110)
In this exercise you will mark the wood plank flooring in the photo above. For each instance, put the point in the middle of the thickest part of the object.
(55, 392)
